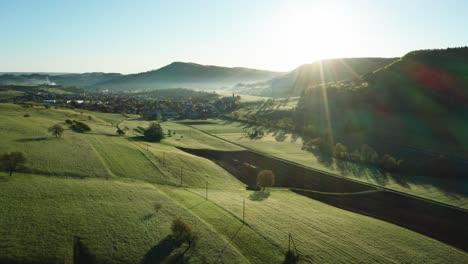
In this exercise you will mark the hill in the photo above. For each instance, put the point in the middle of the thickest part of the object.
(188, 75)
(118, 195)
(320, 72)
(82, 80)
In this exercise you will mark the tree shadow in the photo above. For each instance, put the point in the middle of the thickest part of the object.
(147, 217)
(280, 136)
(82, 254)
(137, 138)
(31, 139)
(160, 251)
(259, 195)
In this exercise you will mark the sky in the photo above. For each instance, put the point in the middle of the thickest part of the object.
(135, 36)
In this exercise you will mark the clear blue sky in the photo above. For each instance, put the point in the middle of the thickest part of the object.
(134, 36)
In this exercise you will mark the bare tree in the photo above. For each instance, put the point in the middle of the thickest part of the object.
(56, 130)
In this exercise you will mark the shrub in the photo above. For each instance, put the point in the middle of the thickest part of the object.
(27, 115)
(68, 121)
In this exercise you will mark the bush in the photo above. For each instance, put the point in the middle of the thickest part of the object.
(68, 121)
(27, 115)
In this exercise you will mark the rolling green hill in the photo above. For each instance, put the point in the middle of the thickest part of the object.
(103, 190)
(320, 72)
(188, 75)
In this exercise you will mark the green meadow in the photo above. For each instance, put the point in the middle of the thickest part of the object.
(120, 194)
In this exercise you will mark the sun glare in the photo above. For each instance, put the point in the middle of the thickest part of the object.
(314, 31)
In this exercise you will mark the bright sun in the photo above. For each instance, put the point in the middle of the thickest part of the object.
(313, 31)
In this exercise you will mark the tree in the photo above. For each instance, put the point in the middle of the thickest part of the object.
(368, 155)
(12, 161)
(56, 130)
(265, 178)
(182, 232)
(340, 151)
(389, 163)
(154, 132)
(120, 132)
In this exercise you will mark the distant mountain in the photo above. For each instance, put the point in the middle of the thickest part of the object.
(83, 80)
(307, 75)
(23, 79)
(188, 75)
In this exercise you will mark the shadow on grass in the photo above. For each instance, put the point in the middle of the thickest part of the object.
(228, 243)
(31, 139)
(259, 195)
(161, 251)
(147, 217)
(137, 138)
(81, 253)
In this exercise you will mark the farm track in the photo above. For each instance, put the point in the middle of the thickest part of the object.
(437, 220)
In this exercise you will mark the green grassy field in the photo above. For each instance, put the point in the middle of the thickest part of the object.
(285, 146)
(103, 189)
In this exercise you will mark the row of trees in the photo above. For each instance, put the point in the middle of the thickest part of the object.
(368, 155)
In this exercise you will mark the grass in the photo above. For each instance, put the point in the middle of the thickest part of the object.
(103, 188)
(285, 146)
(325, 234)
(41, 216)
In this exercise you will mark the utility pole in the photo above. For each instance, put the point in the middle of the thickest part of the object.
(243, 213)
(181, 175)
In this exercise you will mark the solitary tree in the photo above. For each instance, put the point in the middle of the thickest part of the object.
(56, 130)
(12, 161)
(120, 132)
(265, 178)
(154, 132)
(182, 232)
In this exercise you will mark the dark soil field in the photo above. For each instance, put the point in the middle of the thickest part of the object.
(439, 221)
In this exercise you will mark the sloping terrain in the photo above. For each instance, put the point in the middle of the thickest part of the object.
(119, 195)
